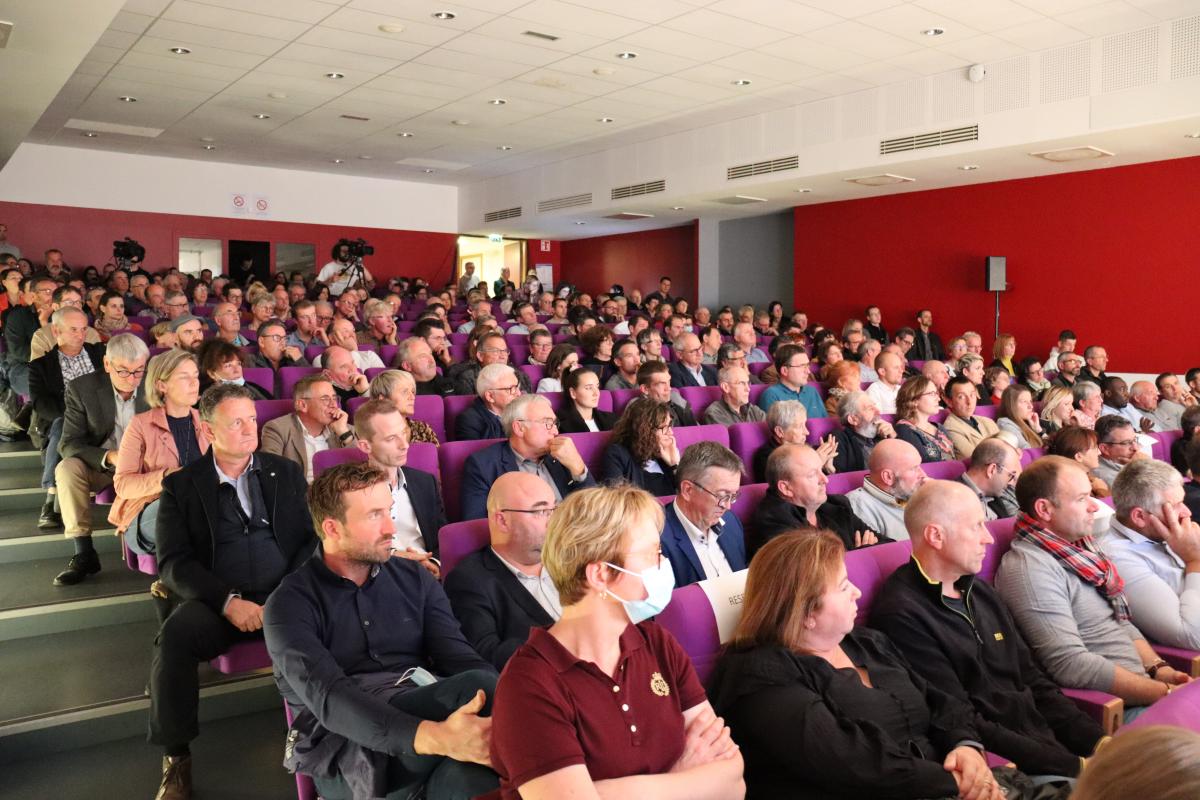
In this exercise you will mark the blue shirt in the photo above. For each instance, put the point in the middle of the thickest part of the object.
(807, 395)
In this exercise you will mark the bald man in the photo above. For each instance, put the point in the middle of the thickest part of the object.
(343, 372)
(890, 366)
(895, 473)
(343, 334)
(500, 591)
(959, 635)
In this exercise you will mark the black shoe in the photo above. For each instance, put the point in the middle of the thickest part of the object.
(176, 779)
(49, 517)
(80, 566)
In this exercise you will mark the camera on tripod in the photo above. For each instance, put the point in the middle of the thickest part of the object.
(128, 250)
(357, 247)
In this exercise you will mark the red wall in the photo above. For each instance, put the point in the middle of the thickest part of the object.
(85, 235)
(1112, 253)
(634, 260)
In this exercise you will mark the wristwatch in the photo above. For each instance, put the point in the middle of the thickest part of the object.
(1152, 669)
(347, 435)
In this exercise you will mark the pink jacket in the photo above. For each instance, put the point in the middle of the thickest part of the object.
(147, 451)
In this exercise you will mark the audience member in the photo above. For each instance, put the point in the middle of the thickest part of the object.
(1096, 360)
(862, 428)
(991, 474)
(492, 349)
(496, 387)
(1056, 410)
(562, 360)
(734, 405)
(1065, 344)
(927, 345)
(840, 379)
(342, 334)
(792, 365)
(345, 375)
(1031, 376)
(1161, 761)
(687, 369)
(626, 360)
(1085, 397)
(1189, 422)
(1004, 349)
(883, 392)
(189, 332)
(1115, 394)
(916, 402)
(579, 413)
(318, 424)
(400, 388)
(1069, 366)
(1017, 415)
(1118, 446)
(874, 325)
(745, 338)
(895, 473)
(642, 450)
(229, 325)
(995, 380)
(21, 323)
(701, 536)
(43, 339)
(965, 429)
(1172, 401)
(937, 372)
(414, 357)
(654, 382)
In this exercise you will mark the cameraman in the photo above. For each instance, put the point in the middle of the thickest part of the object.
(339, 272)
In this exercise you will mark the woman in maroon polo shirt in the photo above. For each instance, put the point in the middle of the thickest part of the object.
(602, 696)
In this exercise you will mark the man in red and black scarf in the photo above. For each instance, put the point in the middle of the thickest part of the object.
(1067, 596)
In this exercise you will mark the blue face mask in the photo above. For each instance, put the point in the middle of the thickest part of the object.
(239, 381)
(659, 582)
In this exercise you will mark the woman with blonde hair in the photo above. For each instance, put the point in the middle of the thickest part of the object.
(1017, 416)
(157, 442)
(401, 388)
(1158, 761)
(603, 696)
(972, 367)
(1056, 409)
(916, 403)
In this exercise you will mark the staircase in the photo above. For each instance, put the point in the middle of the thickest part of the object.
(74, 663)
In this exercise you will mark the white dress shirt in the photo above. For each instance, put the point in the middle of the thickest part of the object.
(540, 586)
(404, 518)
(712, 557)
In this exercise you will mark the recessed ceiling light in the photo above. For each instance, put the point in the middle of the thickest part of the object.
(210, 147)
(337, 76)
(277, 95)
(605, 119)
(427, 170)
(180, 51)
(603, 71)
(127, 99)
(405, 134)
(580, 222)
(1072, 154)
(391, 27)
(504, 147)
(740, 82)
(339, 161)
(803, 191)
(933, 31)
(90, 134)
(262, 116)
(207, 139)
(446, 15)
(498, 101)
(677, 208)
(460, 122)
(882, 179)
(626, 55)
(969, 167)
(366, 157)
(1195, 135)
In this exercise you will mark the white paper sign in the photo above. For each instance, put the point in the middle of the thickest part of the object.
(725, 594)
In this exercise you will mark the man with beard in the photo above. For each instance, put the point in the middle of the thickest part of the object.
(895, 474)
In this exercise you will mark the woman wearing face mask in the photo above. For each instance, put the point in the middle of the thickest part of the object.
(221, 362)
(604, 698)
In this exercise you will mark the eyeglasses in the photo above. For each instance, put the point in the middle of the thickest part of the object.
(798, 365)
(550, 422)
(1126, 443)
(272, 337)
(1009, 474)
(325, 399)
(658, 555)
(130, 373)
(178, 305)
(536, 513)
(930, 393)
(725, 500)
(514, 389)
(325, 319)
(494, 350)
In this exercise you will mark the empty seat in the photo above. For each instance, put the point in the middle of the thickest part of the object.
(458, 540)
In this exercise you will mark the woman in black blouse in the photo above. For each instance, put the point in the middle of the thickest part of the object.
(643, 450)
(579, 414)
(824, 710)
(916, 402)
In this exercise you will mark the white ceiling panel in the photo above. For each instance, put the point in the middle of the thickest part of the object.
(908, 22)
(552, 16)
(607, 70)
(676, 43)
(117, 39)
(457, 76)
(929, 62)
(201, 53)
(415, 31)
(310, 11)
(106, 55)
(784, 15)
(649, 11)
(648, 59)
(236, 21)
(511, 29)
(327, 57)
(467, 17)
(983, 48)
(1168, 9)
(752, 64)
(504, 49)
(674, 85)
(170, 79)
(437, 91)
(851, 9)
(150, 7)
(813, 53)
(863, 39)
(181, 66)
(371, 102)
(127, 22)
(983, 15)
(92, 67)
(724, 28)
(363, 44)
(880, 73)
(471, 64)
(1041, 35)
(183, 32)
(1108, 18)
(518, 92)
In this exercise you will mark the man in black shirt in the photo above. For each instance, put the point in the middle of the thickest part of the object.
(663, 295)
(1069, 365)
(796, 499)
(957, 633)
(351, 634)
(927, 345)
(1096, 358)
(416, 358)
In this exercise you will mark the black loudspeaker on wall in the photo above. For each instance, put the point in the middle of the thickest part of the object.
(997, 281)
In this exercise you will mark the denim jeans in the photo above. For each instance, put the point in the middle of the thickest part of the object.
(139, 536)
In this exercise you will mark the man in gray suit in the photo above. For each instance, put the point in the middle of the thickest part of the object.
(318, 424)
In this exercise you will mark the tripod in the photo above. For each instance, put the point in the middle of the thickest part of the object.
(355, 273)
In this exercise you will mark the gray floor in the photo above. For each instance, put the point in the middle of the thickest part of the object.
(30, 583)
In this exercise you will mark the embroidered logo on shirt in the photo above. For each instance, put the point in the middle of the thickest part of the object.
(658, 685)
(999, 636)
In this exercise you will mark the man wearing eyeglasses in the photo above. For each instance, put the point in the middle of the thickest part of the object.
(734, 405)
(318, 424)
(534, 446)
(792, 364)
(992, 475)
(688, 368)
(20, 325)
(1118, 446)
(495, 388)
(701, 536)
(98, 408)
(492, 349)
(229, 324)
(500, 592)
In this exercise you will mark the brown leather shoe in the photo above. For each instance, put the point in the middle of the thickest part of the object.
(176, 779)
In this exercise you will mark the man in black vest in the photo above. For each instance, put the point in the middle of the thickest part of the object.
(230, 527)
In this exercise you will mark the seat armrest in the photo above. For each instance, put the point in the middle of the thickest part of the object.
(1107, 709)
(1180, 659)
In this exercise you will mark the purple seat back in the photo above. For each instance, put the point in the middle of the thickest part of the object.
(756, 391)
(452, 460)
(534, 372)
(387, 353)
(312, 351)
(431, 410)
(744, 439)
(1031, 454)
(757, 367)
(458, 540)
(106, 496)
(331, 458)
(622, 398)
(268, 410)
(1161, 450)
(943, 470)
(605, 403)
(890, 556)
(701, 433)
(863, 571)
(1003, 533)
(518, 353)
(249, 334)
(988, 411)
(452, 406)
(700, 398)
(1181, 709)
(820, 427)
(591, 448)
(689, 618)
(262, 376)
(845, 482)
(290, 376)
(353, 404)
(749, 496)
(243, 657)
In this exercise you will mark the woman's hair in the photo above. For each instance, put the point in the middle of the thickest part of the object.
(636, 429)
(1008, 410)
(314, 293)
(1189, 420)
(1158, 761)
(385, 383)
(1083, 391)
(589, 527)
(554, 361)
(591, 339)
(843, 369)
(1072, 441)
(784, 587)
(571, 379)
(824, 347)
(771, 308)
(990, 376)
(967, 361)
(214, 353)
(1001, 341)
(160, 369)
(1026, 364)
(1055, 396)
(909, 395)
(783, 415)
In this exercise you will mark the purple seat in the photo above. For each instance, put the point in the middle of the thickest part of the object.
(405, 326)
(534, 372)
(890, 556)
(1031, 454)
(605, 403)
(622, 398)
(1181, 708)
(374, 372)
(700, 398)
(749, 496)
(243, 657)
(744, 439)
(701, 433)
(1002, 532)
(145, 321)
(432, 411)
(289, 376)
(331, 458)
(845, 482)
(452, 460)
(757, 367)
(459, 338)
(458, 540)
(821, 427)
(756, 391)
(267, 410)
(988, 411)
(305, 788)
(312, 351)
(943, 470)
(105, 497)
(387, 353)
(689, 618)
(353, 404)
(863, 571)
(250, 333)
(1180, 658)
(453, 405)
(261, 376)
(591, 448)
(518, 353)
(917, 365)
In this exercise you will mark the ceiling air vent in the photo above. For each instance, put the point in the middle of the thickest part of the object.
(921, 141)
(633, 190)
(504, 213)
(355, 118)
(556, 203)
(762, 167)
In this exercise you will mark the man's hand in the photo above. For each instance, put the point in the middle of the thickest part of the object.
(864, 538)
(464, 736)
(319, 335)
(339, 422)
(707, 740)
(971, 773)
(293, 353)
(563, 450)
(244, 615)
(885, 429)
(1147, 425)
(426, 559)
(1182, 536)
(360, 383)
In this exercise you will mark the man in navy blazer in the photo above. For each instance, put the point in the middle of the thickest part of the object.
(701, 536)
(688, 368)
(500, 591)
(417, 512)
(534, 446)
(495, 388)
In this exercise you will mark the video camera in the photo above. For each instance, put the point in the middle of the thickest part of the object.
(129, 250)
(357, 247)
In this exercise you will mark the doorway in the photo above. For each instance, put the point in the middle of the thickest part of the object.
(490, 256)
(248, 259)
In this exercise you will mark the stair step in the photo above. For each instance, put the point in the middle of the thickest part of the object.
(11, 499)
(28, 584)
(25, 458)
(20, 522)
(52, 544)
(74, 615)
(20, 475)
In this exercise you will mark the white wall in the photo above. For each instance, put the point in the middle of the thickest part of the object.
(70, 176)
